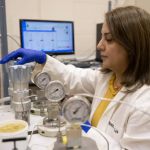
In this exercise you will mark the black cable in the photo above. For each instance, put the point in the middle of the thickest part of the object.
(14, 40)
(54, 56)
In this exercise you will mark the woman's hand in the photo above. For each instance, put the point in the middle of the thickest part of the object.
(27, 56)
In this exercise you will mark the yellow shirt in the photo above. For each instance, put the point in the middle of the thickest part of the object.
(103, 105)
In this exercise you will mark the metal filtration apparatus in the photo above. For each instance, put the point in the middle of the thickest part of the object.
(76, 109)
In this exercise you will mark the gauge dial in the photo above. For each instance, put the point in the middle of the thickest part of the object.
(76, 109)
(55, 91)
(41, 79)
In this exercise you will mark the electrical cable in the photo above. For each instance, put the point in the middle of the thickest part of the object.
(25, 98)
(14, 35)
(112, 100)
(38, 145)
(69, 126)
(28, 148)
(14, 40)
(101, 98)
(94, 129)
(4, 99)
(74, 59)
(32, 133)
(54, 56)
(98, 132)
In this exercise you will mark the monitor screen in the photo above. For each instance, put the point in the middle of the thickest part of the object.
(51, 37)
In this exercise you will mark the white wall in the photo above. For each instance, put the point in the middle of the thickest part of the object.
(145, 4)
(85, 14)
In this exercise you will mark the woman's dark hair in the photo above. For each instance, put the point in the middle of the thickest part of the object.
(130, 27)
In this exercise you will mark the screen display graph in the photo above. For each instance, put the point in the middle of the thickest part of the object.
(52, 37)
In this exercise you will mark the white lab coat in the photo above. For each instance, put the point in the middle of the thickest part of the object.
(127, 126)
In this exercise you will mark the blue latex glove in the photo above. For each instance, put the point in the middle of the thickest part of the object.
(85, 128)
(27, 56)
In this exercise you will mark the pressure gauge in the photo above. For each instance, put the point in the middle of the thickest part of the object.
(76, 110)
(41, 79)
(55, 91)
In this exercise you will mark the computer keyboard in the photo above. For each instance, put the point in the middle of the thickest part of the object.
(81, 64)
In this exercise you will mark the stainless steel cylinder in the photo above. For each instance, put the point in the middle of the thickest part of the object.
(19, 76)
(21, 86)
(21, 107)
(10, 88)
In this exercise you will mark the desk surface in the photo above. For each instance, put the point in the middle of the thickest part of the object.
(37, 142)
(6, 113)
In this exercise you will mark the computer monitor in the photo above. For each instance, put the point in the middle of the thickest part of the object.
(51, 37)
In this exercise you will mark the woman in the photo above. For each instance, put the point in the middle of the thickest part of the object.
(124, 76)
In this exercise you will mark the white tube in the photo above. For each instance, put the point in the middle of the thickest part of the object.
(4, 99)
(112, 100)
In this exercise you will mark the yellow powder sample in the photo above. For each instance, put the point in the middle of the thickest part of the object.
(11, 128)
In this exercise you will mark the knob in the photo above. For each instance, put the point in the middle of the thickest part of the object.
(10, 63)
(20, 73)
